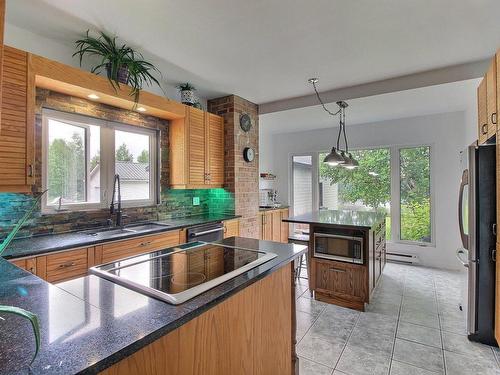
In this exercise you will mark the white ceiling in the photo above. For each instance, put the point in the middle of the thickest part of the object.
(450, 97)
(264, 50)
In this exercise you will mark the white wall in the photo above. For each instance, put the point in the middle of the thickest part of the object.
(447, 135)
(62, 52)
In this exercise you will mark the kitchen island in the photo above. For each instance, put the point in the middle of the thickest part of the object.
(92, 325)
(347, 254)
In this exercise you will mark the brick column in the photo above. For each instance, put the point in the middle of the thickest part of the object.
(241, 178)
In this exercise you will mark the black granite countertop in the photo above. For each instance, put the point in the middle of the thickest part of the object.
(88, 324)
(345, 218)
(280, 207)
(37, 245)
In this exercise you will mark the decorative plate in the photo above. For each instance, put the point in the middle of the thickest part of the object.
(245, 122)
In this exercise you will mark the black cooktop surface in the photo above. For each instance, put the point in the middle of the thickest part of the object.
(183, 269)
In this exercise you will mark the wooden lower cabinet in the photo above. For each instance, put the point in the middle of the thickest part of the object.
(238, 336)
(111, 251)
(285, 227)
(271, 226)
(231, 228)
(68, 264)
(340, 283)
(28, 264)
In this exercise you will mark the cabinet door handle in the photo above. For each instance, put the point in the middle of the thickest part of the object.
(30, 170)
(337, 270)
(494, 118)
(67, 265)
(484, 129)
(32, 270)
(145, 243)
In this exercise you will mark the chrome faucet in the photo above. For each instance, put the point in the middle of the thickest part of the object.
(112, 210)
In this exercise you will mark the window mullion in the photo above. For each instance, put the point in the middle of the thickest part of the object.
(395, 194)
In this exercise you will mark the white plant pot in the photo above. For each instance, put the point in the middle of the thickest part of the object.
(187, 96)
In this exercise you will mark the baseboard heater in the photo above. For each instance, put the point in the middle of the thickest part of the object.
(403, 258)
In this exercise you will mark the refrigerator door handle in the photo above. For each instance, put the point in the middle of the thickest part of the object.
(459, 254)
(463, 183)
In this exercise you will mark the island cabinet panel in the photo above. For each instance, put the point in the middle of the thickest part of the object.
(111, 251)
(249, 333)
(17, 122)
(231, 228)
(341, 283)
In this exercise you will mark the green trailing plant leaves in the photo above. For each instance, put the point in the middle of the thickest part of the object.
(33, 320)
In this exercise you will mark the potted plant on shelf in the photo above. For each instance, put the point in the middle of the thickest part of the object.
(33, 319)
(187, 93)
(121, 63)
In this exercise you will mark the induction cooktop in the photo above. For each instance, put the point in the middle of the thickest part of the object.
(179, 274)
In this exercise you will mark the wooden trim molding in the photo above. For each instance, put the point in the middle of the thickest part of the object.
(55, 76)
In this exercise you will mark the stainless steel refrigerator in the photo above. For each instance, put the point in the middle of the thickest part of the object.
(477, 221)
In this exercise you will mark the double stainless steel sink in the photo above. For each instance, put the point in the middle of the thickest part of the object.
(133, 228)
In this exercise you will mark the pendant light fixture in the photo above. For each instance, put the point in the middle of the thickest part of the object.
(337, 156)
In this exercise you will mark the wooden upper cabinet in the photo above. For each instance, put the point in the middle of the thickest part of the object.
(197, 147)
(215, 157)
(197, 150)
(491, 98)
(17, 122)
(482, 112)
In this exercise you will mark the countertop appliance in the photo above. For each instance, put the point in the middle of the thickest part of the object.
(338, 247)
(477, 222)
(206, 232)
(187, 271)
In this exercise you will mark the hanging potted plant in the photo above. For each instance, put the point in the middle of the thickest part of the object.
(121, 63)
(187, 93)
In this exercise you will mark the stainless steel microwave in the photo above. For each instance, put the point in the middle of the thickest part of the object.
(337, 247)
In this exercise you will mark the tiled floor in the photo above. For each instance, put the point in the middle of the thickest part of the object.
(412, 327)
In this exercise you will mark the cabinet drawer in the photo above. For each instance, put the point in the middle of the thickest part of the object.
(67, 265)
(122, 249)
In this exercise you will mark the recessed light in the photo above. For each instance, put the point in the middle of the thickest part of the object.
(92, 96)
(141, 109)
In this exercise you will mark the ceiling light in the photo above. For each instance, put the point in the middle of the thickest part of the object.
(141, 109)
(350, 162)
(337, 156)
(92, 96)
(334, 158)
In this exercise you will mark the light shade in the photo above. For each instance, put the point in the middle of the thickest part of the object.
(350, 162)
(334, 158)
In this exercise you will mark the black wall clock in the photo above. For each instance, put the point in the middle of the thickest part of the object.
(248, 154)
(245, 122)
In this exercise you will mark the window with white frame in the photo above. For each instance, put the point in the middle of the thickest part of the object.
(81, 155)
(395, 180)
